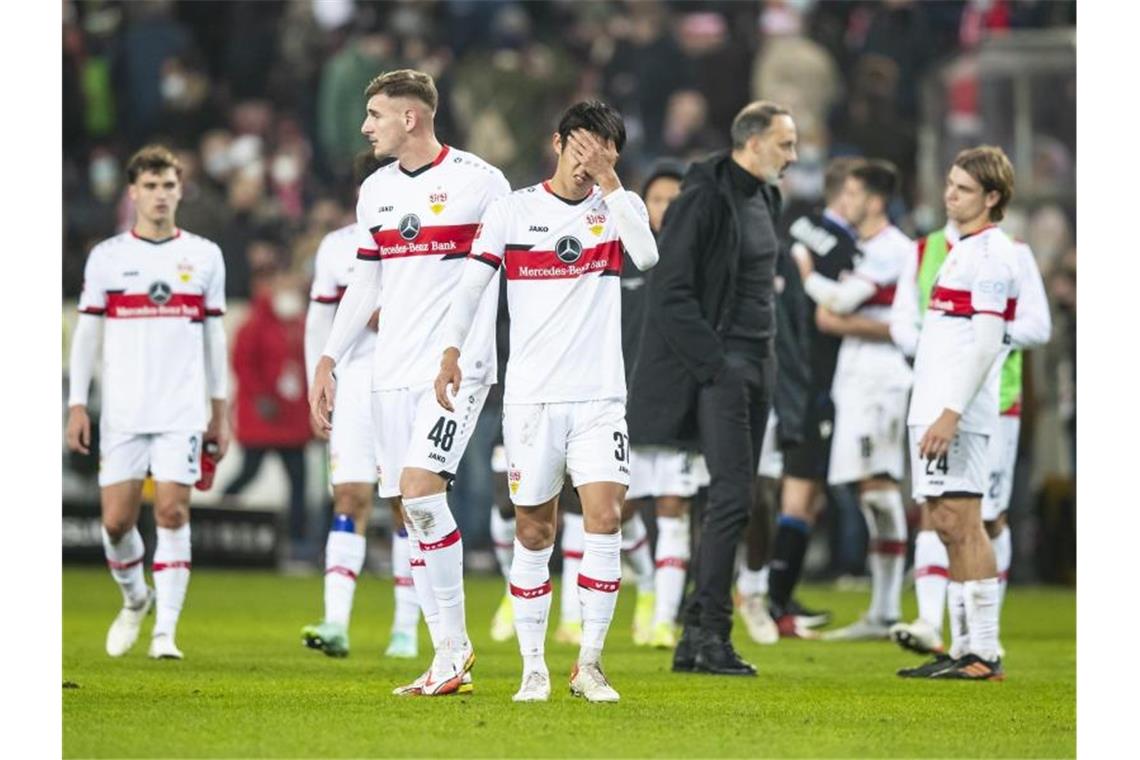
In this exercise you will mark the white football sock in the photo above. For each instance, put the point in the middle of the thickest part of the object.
(407, 615)
(886, 523)
(982, 617)
(171, 576)
(635, 544)
(125, 560)
(959, 623)
(503, 538)
(931, 574)
(422, 584)
(672, 562)
(530, 597)
(750, 582)
(598, 581)
(442, 546)
(573, 544)
(1003, 553)
(344, 558)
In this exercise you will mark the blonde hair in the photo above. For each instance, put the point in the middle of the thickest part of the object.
(990, 167)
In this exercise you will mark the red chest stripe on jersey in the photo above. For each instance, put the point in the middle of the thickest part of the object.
(139, 306)
(957, 303)
(367, 254)
(884, 296)
(490, 260)
(334, 298)
(545, 265)
(430, 241)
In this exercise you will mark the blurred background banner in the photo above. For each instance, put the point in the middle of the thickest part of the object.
(263, 101)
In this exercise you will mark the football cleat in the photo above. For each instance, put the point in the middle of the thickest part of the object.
(643, 618)
(535, 687)
(403, 646)
(789, 627)
(569, 633)
(413, 689)
(503, 623)
(452, 660)
(918, 636)
(162, 648)
(972, 668)
(927, 669)
(863, 629)
(761, 627)
(808, 618)
(330, 638)
(590, 682)
(664, 636)
(124, 630)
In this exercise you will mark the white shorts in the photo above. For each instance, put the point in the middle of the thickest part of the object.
(588, 439)
(701, 471)
(661, 471)
(499, 459)
(168, 457)
(1001, 458)
(413, 430)
(962, 470)
(352, 443)
(867, 439)
(771, 458)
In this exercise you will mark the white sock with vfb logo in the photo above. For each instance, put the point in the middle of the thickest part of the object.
(530, 588)
(598, 581)
(171, 577)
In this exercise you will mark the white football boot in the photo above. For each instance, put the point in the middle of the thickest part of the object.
(535, 687)
(124, 630)
(590, 682)
(162, 648)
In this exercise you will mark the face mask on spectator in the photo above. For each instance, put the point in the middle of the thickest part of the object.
(285, 169)
(173, 87)
(287, 304)
(103, 174)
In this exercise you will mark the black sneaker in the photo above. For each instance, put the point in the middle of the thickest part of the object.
(808, 618)
(685, 655)
(928, 669)
(716, 655)
(973, 668)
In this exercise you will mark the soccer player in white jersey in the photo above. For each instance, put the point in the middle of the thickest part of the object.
(352, 457)
(155, 296)
(872, 381)
(416, 218)
(954, 406)
(560, 243)
(1030, 327)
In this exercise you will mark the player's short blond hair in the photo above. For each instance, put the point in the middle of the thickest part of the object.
(836, 173)
(990, 167)
(152, 158)
(405, 83)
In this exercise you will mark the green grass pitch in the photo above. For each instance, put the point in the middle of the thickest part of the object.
(248, 688)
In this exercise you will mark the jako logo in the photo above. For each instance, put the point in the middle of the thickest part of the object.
(534, 228)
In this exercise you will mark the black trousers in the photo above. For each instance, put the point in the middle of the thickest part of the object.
(732, 413)
(294, 461)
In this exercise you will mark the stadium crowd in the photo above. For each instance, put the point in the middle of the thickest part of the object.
(261, 101)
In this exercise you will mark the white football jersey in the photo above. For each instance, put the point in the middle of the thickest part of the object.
(860, 362)
(332, 271)
(563, 263)
(979, 276)
(420, 225)
(155, 298)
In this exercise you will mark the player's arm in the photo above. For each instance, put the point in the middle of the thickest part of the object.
(352, 317)
(217, 367)
(853, 325)
(85, 342)
(905, 318)
(988, 298)
(487, 251)
(630, 217)
(1032, 324)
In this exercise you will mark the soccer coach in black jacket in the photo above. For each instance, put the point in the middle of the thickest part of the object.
(706, 372)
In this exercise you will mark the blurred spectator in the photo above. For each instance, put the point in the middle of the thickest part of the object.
(687, 133)
(271, 411)
(151, 37)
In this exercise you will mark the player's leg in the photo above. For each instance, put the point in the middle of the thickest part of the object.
(672, 563)
(175, 459)
(123, 465)
(597, 459)
(438, 441)
(534, 442)
(752, 574)
(635, 546)
(798, 511)
(344, 559)
(503, 541)
(1002, 460)
(573, 545)
(405, 638)
(931, 576)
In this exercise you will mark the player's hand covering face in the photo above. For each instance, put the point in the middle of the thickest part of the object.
(590, 155)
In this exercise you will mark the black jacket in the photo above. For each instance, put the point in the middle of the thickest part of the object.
(691, 294)
(794, 317)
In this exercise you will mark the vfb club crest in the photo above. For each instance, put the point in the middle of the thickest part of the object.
(568, 249)
(409, 227)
